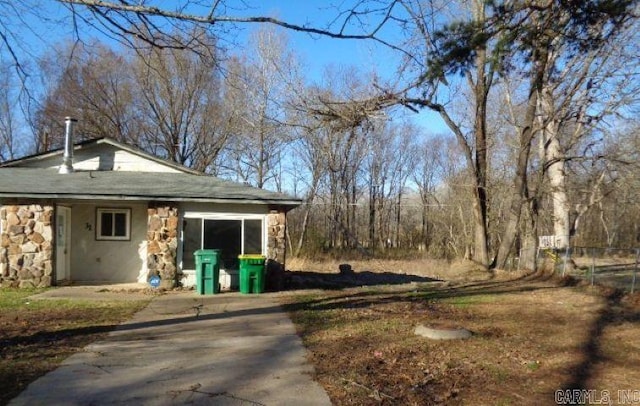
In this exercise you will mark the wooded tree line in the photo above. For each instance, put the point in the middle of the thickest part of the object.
(540, 98)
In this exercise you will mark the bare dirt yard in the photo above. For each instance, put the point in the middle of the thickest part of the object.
(535, 337)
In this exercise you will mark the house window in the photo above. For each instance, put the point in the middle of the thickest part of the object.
(232, 235)
(113, 224)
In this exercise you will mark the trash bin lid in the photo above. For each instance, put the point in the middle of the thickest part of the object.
(251, 256)
(207, 251)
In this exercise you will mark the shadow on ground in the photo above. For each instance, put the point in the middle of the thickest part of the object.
(444, 290)
(620, 308)
(616, 312)
(296, 280)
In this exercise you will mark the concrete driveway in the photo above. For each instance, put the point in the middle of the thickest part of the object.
(225, 349)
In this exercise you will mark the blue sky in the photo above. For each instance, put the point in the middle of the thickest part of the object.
(319, 52)
(316, 50)
(51, 25)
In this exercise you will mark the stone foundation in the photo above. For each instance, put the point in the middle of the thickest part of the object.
(162, 243)
(26, 245)
(276, 250)
(276, 243)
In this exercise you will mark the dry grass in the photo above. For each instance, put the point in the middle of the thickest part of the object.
(37, 335)
(532, 336)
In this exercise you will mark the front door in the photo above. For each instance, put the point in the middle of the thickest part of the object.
(63, 242)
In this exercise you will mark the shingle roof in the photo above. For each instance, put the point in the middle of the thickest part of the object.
(119, 185)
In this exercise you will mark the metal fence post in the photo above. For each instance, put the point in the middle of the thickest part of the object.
(593, 265)
(635, 271)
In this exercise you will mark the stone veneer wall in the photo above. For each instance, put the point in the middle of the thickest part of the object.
(276, 243)
(162, 243)
(26, 245)
(276, 251)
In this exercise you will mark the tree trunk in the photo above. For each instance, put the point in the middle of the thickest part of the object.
(481, 245)
(529, 249)
(372, 217)
(303, 231)
(557, 180)
(520, 194)
(477, 170)
(518, 199)
(480, 248)
(554, 158)
(398, 219)
(425, 227)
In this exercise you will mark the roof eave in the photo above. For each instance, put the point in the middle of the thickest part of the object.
(57, 196)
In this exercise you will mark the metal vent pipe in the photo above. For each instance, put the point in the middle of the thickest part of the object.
(67, 158)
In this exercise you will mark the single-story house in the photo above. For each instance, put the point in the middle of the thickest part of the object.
(101, 211)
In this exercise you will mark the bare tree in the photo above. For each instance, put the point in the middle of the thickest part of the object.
(574, 103)
(169, 102)
(428, 175)
(9, 122)
(557, 29)
(260, 81)
(94, 85)
(386, 172)
(310, 161)
(445, 50)
(465, 47)
(180, 97)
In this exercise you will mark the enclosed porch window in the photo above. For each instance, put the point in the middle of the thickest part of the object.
(233, 236)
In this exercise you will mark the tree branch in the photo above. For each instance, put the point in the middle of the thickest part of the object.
(142, 11)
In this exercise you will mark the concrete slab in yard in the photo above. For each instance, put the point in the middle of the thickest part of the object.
(226, 349)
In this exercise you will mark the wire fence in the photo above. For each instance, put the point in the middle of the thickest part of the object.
(614, 267)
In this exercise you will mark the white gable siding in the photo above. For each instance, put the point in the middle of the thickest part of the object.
(103, 158)
(118, 161)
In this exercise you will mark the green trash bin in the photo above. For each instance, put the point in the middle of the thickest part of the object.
(207, 271)
(252, 273)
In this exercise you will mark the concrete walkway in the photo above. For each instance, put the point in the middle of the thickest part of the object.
(226, 349)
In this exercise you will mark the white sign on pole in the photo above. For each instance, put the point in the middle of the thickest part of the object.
(547, 241)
